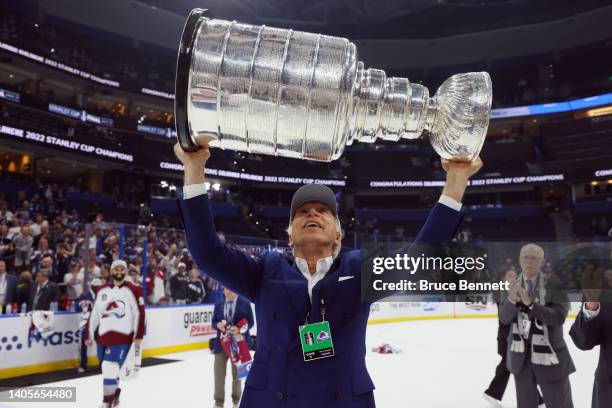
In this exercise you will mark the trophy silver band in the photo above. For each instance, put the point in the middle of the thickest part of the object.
(288, 93)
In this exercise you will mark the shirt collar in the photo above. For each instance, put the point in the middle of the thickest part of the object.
(323, 265)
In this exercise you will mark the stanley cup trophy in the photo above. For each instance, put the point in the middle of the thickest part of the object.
(288, 93)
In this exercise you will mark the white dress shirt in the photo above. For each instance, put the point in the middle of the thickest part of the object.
(590, 314)
(323, 266)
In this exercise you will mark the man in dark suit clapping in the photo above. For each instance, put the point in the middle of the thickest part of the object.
(536, 309)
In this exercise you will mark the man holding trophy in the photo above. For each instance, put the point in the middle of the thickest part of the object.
(279, 92)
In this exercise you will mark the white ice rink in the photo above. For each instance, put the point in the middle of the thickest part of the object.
(444, 364)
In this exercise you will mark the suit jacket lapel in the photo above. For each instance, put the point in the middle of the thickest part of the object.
(297, 290)
(330, 282)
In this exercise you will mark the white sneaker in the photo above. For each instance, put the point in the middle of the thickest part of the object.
(492, 401)
(81, 370)
(542, 406)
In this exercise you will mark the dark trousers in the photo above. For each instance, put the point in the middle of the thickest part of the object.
(498, 385)
(602, 394)
(83, 354)
(558, 394)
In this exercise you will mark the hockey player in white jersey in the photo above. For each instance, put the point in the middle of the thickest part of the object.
(117, 320)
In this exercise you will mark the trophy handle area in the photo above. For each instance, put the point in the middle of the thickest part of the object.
(181, 84)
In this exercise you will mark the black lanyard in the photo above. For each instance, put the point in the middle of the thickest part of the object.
(321, 304)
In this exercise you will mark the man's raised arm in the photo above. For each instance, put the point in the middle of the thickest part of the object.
(230, 267)
(444, 219)
(441, 224)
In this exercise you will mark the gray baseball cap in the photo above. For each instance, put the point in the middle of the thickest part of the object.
(313, 192)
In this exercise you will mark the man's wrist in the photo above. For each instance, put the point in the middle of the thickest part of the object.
(592, 306)
(449, 202)
(455, 187)
(194, 175)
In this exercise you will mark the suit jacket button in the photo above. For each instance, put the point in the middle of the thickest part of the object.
(338, 394)
(273, 316)
(280, 395)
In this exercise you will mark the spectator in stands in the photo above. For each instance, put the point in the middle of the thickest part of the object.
(74, 282)
(6, 216)
(195, 288)
(155, 281)
(23, 248)
(95, 241)
(15, 228)
(63, 262)
(135, 277)
(178, 285)
(24, 289)
(137, 263)
(42, 249)
(93, 270)
(186, 259)
(46, 265)
(44, 292)
(8, 288)
(7, 248)
(36, 225)
(105, 273)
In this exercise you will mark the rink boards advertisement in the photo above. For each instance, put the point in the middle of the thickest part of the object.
(168, 330)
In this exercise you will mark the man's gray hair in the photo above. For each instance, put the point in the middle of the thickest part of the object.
(534, 247)
(338, 228)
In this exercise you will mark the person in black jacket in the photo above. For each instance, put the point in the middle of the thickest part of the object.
(178, 285)
(24, 289)
(195, 287)
(43, 293)
(8, 288)
(593, 327)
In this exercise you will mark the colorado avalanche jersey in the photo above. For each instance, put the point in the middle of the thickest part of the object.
(118, 315)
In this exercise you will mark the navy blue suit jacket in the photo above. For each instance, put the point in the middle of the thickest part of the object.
(279, 375)
(242, 310)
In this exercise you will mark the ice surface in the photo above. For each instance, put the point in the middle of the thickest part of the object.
(445, 363)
